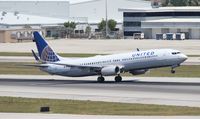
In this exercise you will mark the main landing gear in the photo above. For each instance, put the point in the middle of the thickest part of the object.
(101, 79)
(118, 78)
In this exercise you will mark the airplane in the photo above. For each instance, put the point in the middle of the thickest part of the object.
(136, 63)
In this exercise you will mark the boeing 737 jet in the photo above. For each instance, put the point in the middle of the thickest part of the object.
(136, 63)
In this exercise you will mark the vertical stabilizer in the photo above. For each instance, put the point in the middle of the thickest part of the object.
(45, 51)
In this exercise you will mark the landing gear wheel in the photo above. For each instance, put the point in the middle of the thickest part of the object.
(118, 79)
(173, 71)
(100, 79)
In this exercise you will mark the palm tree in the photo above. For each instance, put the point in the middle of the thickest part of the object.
(193, 3)
(179, 2)
(165, 2)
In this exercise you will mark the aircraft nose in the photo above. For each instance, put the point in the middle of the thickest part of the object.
(184, 57)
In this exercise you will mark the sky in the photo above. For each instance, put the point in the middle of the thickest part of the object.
(71, 1)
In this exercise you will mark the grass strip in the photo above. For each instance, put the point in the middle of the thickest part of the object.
(183, 71)
(28, 105)
(193, 55)
(19, 68)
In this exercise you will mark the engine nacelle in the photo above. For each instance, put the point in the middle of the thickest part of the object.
(110, 71)
(138, 72)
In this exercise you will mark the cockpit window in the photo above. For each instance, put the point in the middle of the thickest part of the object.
(175, 53)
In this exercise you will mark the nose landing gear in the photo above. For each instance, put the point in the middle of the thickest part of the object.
(173, 68)
(173, 71)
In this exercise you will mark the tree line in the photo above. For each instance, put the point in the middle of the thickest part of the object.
(180, 2)
(71, 26)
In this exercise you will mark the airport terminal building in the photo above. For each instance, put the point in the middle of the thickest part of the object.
(155, 21)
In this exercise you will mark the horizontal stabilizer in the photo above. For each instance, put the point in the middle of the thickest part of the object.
(35, 56)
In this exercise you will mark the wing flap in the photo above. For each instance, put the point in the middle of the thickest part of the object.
(37, 65)
(73, 65)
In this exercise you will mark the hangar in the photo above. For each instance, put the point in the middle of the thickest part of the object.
(18, 19)
(15, 27)
(45, 8)
(93, 11)
(89, 12)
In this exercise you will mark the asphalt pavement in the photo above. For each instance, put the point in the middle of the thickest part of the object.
(145, 90)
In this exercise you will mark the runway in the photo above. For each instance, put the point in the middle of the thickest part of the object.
(164, 91)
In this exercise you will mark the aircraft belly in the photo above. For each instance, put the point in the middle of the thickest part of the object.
(79, 72)
(167, 62)
(135, 65)
(149, 64)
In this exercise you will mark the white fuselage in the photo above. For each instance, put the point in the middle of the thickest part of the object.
(140, 60)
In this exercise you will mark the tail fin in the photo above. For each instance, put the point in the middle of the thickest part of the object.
(45, 52)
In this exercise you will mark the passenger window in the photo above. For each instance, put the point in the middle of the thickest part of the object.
(175, 53)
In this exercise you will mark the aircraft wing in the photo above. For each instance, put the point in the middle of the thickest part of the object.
(95, 68)
(37, 65)
(63, 64)
(72, 65)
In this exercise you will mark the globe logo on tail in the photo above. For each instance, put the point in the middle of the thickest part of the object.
(48, 55)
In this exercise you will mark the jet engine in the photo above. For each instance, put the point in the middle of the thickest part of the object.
(110, 70)
(138, 72)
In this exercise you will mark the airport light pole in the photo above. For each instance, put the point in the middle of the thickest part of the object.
(106, 5)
